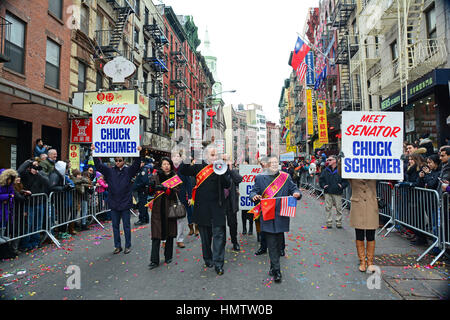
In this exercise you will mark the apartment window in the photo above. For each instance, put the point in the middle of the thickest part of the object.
(99, 26)
(137, 8)
(81, 76)
(136, 37)
(84, 20)
(431, 23)
(394, 50)
(147, 16)
(52, 58)
(56, 8)
(99, 81)
(145, 48)
(15, 45)
(145, 76)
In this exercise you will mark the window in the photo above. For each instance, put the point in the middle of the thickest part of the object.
(84, 20)
(137, 8)
(145, 76)
(431, 23)
(147, 16)
(136, 36)
(99, 26)
(52, 64)
(394, 50)
(15, 45)
(145, 48)
(81, 76)
(56, 8)
(99, 81)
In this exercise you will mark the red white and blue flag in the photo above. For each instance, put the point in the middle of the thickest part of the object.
(301, 71)
(288, 207)
(300, 51)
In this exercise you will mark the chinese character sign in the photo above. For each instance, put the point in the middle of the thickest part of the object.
(372, 143)
(322, 121)
(309, 112)
(172, 121)
(74, 156)
(115, 130)
(196, 128)
(81, 131)
(310, 71)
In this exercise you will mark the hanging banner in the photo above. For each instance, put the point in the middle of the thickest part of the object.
(322, 121)
(372, 143)
(143, 105)
(107, 97)
(309, 112)
(172, 121)
(317, 144)
(81, 131)
(196, 128)
(309, 60)
(115, 130)
(74, 156)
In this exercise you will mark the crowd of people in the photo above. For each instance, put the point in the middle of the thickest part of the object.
(210, 200)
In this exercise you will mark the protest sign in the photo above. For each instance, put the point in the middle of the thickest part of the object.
(248, 173)
(372, 143)
(115, 130)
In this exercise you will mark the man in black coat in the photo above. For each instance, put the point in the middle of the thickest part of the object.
(141, 185)
(119, 196)
(232, 204)
(209, 210)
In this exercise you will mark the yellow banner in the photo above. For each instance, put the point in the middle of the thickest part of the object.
(309, 112)
(143, 105)
(317, 144)
(74, 156)
(322, 121)
(107, 97)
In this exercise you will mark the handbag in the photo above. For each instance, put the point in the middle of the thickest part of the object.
(381, 203)
(176, 210)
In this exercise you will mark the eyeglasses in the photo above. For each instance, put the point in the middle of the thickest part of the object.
(330, 159)
(118, 160)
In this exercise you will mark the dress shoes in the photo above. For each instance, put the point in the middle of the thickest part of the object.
(208, 265)
(140, 223)
(260, 251)
(153, 265)
(219, 271)
(127, 250)
(236, 247)
(168, 261)
(282, 253)
(117, 250)
(277, 276)
(181, 245)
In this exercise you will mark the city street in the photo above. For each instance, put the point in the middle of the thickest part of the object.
(320, 264)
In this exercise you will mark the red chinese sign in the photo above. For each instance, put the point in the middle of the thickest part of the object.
(81, 131)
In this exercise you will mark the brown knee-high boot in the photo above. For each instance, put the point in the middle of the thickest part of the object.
(361, 255)
(370, 255)
(191, 229)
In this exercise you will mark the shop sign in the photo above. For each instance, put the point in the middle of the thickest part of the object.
(322, 123)
(143, 105)
(172, 121)
(196, 129)
(310, 70)
(81, 131)
(309, 112)
(74, 156)
(107, 97)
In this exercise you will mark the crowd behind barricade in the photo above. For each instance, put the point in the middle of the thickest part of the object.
(424, 168)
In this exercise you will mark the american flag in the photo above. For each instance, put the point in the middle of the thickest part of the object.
(288, 207)
(301, 71)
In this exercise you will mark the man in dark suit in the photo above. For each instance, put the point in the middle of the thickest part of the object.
(209, 210)
(274, 229)
(232, 204)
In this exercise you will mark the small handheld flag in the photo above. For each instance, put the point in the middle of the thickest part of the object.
(288, 207)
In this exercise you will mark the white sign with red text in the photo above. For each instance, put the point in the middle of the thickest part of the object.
(115, 130)
(248, 173)
(372, 143)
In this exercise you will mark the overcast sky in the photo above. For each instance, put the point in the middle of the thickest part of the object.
(252, 40)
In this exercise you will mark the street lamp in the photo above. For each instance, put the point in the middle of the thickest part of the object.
(204, 106)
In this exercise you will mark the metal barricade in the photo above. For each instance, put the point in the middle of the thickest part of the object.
(69, 206)
(316, 187)
(25, 220)
(346, 196)
(445, 225)
(385, 192)
(418, 209)
(99, 203)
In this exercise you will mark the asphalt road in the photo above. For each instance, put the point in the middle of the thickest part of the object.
(320, 264)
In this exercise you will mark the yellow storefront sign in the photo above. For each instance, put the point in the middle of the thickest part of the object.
(322, 124)
(116, 97)
(143, 105)
(309, 112)
(74, 156)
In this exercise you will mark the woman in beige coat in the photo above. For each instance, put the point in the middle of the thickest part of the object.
(364, 218)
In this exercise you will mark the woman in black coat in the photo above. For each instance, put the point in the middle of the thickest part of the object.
(162, 228)
(428, 177)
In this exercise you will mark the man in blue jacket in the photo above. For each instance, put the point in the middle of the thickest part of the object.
(119, 196)
(274, 229)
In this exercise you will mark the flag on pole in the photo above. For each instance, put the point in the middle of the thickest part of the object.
(301, 71)
(288, 207)
(300, 51)
(268, 208)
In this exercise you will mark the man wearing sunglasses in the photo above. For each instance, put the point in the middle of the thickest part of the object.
(119, 195)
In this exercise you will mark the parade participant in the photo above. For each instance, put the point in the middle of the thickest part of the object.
(119, 197)
(364, 218)
(274, 184)
(185, 195)
(333, 185)
(163, 228)
(209, 207)
(232, 204)
(262, 239)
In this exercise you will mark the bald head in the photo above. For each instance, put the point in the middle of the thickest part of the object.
(52, 154)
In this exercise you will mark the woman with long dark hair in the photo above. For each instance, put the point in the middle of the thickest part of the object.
(162, 228)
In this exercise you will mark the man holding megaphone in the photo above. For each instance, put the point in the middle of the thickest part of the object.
(209, 205)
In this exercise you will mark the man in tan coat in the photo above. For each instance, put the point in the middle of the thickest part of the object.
(364, 218)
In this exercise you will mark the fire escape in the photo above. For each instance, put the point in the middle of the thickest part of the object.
(179, 80)
(108, 41)
(346, 49)
(5, 29)
(158, 64)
